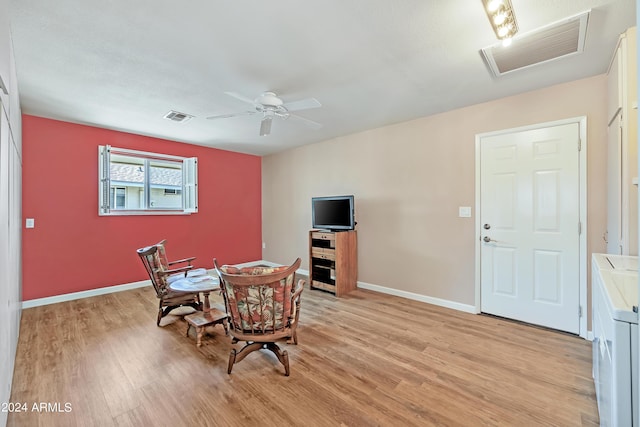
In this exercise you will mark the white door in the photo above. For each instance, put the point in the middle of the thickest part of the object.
(530, 219)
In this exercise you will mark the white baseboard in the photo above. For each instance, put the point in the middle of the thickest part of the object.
(404, 294)
(589, 335)
(418, 297)
(127, 286)
(84, 294)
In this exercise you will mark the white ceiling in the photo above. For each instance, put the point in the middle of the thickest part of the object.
(124, 64)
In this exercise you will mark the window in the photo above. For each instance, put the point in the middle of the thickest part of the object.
(136, 182)
(118, 197)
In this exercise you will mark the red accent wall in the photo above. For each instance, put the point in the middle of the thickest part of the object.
(73, 249)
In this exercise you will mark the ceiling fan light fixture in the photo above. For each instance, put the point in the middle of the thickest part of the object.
(265, 125)
(270, 99)
(269, 105)
(501, 17)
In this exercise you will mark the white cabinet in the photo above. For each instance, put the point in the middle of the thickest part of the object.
(10, 210)
(615, 330)
(5, 48)
(622, 161)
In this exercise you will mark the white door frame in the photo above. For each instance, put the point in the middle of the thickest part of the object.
(582, 122)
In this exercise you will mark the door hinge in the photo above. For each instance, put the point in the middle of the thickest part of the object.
(579, 228)
(579, 144)
(579, 311)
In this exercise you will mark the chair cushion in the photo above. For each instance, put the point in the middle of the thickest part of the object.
(162, 256)
(253, 306)
(191, 273)
(251, 271)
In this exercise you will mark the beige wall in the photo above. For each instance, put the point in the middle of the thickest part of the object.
(409, 180)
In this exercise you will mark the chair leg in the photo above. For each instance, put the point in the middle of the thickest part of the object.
(237, 356)
(285, 356)
(293, 339)
(160, 313)
(199, 334)
(282, 356)
(232, 360)
(248, 348)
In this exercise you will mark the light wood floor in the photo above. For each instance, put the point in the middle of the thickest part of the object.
(365, 359)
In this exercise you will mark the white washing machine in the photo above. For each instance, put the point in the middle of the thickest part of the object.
(614, 280)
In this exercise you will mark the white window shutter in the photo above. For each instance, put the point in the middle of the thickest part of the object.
(190, 192)
(104, 182)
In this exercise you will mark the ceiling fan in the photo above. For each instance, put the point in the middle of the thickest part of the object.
(270, 105)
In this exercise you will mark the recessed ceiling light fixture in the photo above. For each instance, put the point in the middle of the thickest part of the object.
(502, 18)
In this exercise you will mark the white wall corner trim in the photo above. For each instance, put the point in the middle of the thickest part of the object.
(467, 308)
(84, 294)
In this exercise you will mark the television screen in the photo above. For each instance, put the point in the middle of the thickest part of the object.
(333, 213)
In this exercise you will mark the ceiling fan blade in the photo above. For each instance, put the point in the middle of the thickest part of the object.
(241, 97)
(310, 123)
(227, 116)
(303, 104)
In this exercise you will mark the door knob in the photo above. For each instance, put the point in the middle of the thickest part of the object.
(487, 226)
(488, 239)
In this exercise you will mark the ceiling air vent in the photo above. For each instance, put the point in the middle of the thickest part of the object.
(554, 41)
(176, 116)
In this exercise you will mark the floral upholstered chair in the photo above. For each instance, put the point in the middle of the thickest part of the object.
(263, 306)
(162, 272)
(179, 272)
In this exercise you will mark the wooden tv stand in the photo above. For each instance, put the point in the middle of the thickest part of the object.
(333, 261)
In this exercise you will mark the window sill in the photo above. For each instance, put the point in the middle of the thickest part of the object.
(146, 212)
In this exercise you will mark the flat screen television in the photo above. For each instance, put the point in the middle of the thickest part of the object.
(333, 213)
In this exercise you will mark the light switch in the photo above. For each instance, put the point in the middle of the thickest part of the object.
(464, 211)
(30, 223)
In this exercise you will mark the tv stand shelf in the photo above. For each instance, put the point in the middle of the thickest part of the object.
(333, 261)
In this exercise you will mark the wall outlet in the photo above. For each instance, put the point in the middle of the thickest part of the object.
(464, 211)
(30, 223)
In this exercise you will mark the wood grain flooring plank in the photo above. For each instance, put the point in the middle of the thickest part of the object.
(366, 359)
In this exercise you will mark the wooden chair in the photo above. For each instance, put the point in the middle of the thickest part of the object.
(263, 308)
(162, 272)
